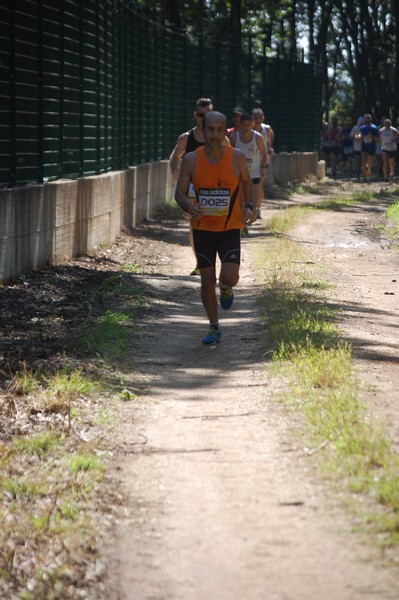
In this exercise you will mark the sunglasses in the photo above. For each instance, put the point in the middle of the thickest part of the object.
(200, 115)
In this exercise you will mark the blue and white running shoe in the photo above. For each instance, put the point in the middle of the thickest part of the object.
(226, 297)
(212, 337)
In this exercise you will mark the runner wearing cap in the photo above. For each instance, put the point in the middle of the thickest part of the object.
(236, 115)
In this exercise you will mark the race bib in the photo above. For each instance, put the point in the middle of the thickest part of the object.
(214, 202)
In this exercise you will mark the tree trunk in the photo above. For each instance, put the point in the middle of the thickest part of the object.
(292, 30)
(174, 16)
(395, 12)
(236, 22)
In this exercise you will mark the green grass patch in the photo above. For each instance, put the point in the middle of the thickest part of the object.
(393, 212)
(392, 216)
(393, 192)
(306, 349)
(70, 383)
(131, 268)
(39, 444)
(107, 334)
(68, 510)
(21, 488)
(343, 201)
(286, 219)
(25, 382)
(84, 462)
(49, 475)
(390, 226)
(310, 186)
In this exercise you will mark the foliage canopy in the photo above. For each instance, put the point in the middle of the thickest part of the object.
(356, 44)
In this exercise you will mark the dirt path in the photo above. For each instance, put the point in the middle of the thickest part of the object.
(222, 501)
(366, 276)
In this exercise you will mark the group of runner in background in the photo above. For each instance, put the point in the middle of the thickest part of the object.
(353, 149)
(219, 173)
(248, 132)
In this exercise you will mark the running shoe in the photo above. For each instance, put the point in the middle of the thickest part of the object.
(258, 214)
(244, 232)
(212, 337)
(226, 297)
(195, 271)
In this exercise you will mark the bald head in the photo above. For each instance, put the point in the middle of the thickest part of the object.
(214, 129)
(215, 117)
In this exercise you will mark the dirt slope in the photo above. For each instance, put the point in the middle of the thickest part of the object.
(222, 502)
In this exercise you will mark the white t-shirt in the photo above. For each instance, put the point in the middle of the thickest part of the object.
(388, 139)
(251, 152)
(357, 144)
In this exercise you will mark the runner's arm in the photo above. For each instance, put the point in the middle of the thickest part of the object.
(189, 205)
(263, 152)
(226, 140)
(270, 140)
(246, 188)
(178, 152)
(270, 135)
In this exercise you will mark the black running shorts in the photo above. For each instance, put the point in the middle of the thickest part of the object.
(391, 153)
(209, 244)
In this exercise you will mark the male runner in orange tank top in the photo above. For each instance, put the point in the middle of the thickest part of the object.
(188, 142)
(223, 205)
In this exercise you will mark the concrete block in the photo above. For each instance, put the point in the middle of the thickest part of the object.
(128, 215)
(160, 173)
(170, 183)
(62, 197)
(321, 169)
(287, 167)
(100, 209)
(25, 230)
(143, 191)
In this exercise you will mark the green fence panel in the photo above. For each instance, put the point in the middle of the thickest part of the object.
(89, 87)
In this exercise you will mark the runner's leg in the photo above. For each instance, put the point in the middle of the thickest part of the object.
(229, 274)
(208, 293)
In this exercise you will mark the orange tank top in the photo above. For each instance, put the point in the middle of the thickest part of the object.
(218, 192)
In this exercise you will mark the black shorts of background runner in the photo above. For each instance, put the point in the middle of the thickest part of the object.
(209, 244)
(391, 153)
(329, 150)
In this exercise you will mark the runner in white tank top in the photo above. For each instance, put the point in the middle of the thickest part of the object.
(252, 144)
(251, 152)
(388, 137)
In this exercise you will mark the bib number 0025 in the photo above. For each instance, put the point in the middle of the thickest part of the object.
(214, 201)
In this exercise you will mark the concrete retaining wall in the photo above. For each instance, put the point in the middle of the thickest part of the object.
(50, 223)
(285, 168)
